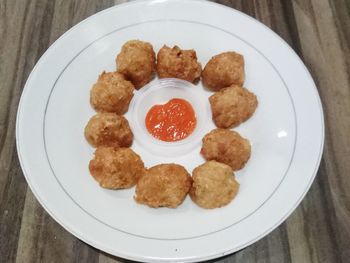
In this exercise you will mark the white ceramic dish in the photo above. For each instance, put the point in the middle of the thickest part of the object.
(286, 132)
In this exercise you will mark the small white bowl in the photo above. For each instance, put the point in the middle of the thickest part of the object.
(160, 92)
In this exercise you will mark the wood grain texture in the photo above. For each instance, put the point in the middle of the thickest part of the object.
(318, 230)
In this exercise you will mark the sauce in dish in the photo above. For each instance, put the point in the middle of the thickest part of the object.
(172, 121)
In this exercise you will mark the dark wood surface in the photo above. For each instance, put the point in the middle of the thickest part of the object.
(318, 230)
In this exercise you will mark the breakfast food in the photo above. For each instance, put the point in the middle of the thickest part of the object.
(163, 185)
(223, 70)
(227, 147)
(116, 168)
(178, 63)
(108, 129)
(111, 93)
(137, 62)
(214, 185)
(232, 105)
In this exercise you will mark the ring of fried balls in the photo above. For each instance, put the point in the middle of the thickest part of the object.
(116, 166)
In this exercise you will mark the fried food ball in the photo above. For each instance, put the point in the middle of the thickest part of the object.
(116, 168)
(214, 185)
(111, 93)
(177, 63)
(108, 129)
(163, 185)
(226, 146)
(224, 70)
(137, 62)
(232, 105)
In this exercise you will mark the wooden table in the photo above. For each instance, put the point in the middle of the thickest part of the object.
(319, 229)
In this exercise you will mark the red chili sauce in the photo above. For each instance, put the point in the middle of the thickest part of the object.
(172, 121)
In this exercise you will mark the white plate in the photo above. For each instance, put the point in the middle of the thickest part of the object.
(286, 132)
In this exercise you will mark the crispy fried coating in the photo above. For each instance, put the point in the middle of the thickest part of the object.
(108, 129)
(116, 168)
(137, 62)
(177, 63)
(224, 70)
(214, 185)
(226, 147)
(111, 93)
(163, 185)
(232, 105)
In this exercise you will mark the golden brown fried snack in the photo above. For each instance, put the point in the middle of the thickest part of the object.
(163, 185)
(214, 185)
(224, 70)
(177, 63)
(137, 62)
(116, 168)
(226, 147)
(232, 105)
(108, 129)
(111, 93)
